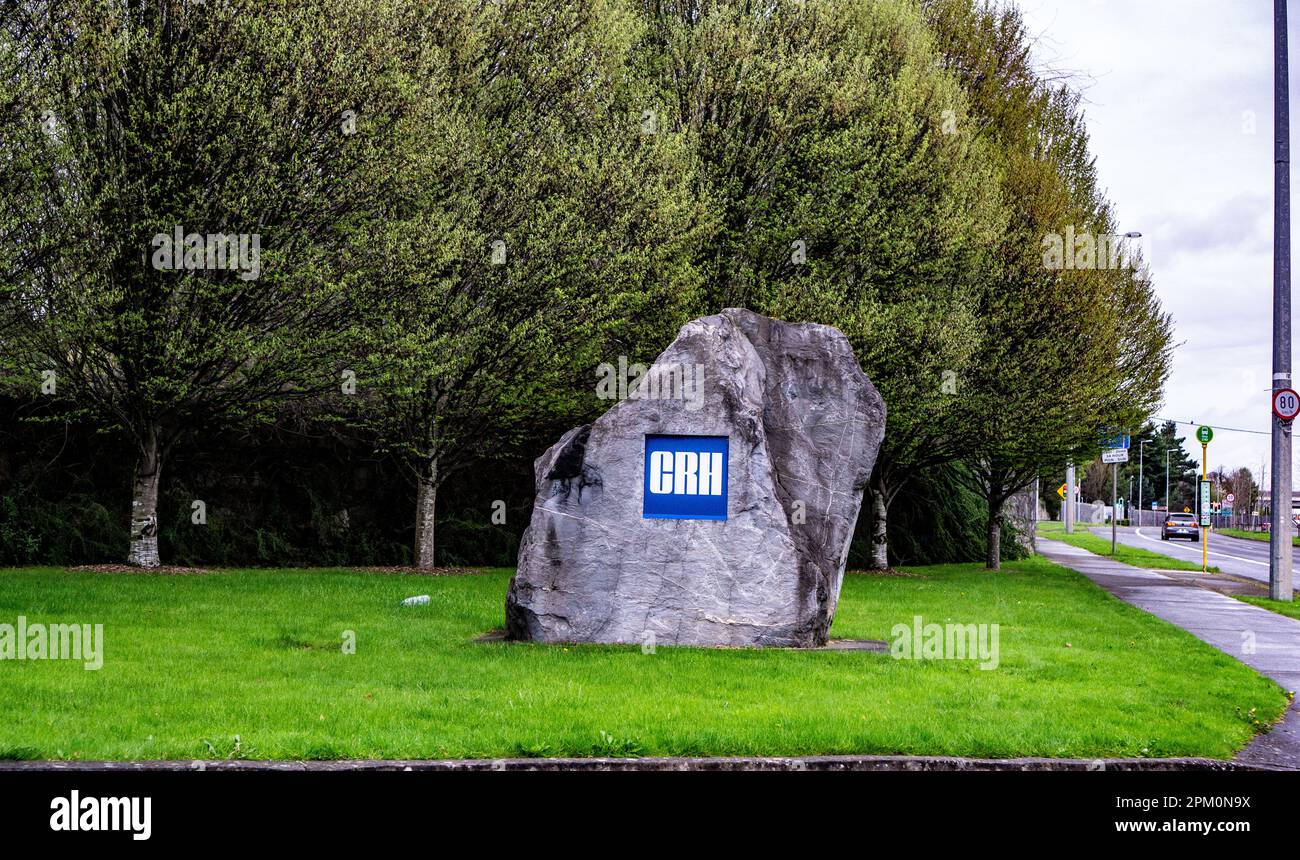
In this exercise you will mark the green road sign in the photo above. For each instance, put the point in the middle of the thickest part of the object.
(1204, 435)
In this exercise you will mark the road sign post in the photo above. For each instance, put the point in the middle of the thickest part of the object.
(1116, 452)
(1114, 497)
(1204, 435)
(1141, 463)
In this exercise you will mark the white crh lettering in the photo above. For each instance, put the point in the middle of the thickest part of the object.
(686, 473)
(711, 474)
(661, 467)
(685, 465)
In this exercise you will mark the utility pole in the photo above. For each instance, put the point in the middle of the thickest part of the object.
(1279, 540)
(1070, 510)
(1169, 508)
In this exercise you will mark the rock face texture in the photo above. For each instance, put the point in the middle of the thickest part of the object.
(802, 425)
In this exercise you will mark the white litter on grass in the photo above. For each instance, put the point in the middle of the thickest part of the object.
(418, 600)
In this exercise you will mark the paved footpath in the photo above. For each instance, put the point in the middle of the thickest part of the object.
(1237, 556)
(1224, 622)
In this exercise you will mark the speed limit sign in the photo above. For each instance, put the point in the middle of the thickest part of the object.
(1286, 404)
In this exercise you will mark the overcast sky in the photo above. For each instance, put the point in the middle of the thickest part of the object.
(1180, 109)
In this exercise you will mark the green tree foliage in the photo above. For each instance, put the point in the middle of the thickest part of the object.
(935, 518)
(1067, 354)
(464, 208)
(849, 190)
(550, 236)
(1241, 484)
(139, 121)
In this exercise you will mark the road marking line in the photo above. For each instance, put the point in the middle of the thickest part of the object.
(1211, 552)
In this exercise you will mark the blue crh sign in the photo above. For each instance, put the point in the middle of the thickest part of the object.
(686, 477)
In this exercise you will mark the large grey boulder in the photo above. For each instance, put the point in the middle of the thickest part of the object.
(802, 425)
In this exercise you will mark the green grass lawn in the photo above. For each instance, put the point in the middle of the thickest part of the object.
(1084, 539)
(249, 664)
(1242, 533)
(1281, 607)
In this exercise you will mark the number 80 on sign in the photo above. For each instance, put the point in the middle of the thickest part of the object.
(1286, 404)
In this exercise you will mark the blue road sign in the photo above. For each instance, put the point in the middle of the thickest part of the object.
(1120, 440)
(685, 477)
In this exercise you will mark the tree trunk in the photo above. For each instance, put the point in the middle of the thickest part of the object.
(879, 527)
(994, 560)
(425, 503)
(144, 502)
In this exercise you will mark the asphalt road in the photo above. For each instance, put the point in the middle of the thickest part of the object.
(1237, 556)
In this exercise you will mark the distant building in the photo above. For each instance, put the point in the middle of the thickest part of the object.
(1266, 500)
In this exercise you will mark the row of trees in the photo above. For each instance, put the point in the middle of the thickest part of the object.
(449, 213)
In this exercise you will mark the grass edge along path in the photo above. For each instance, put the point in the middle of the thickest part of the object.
(1130, 555)
(249, 665)
(1249, 535)
(1291, 609)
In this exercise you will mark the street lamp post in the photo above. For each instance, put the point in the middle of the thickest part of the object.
(1141, 475)
(1169, 503)
(1131, 234)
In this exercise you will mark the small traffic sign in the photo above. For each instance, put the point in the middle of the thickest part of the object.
(1230, 498)
(1060, 491)
(1115, 455)
(1204, 434)
(1286, 404)
(1186, 509)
